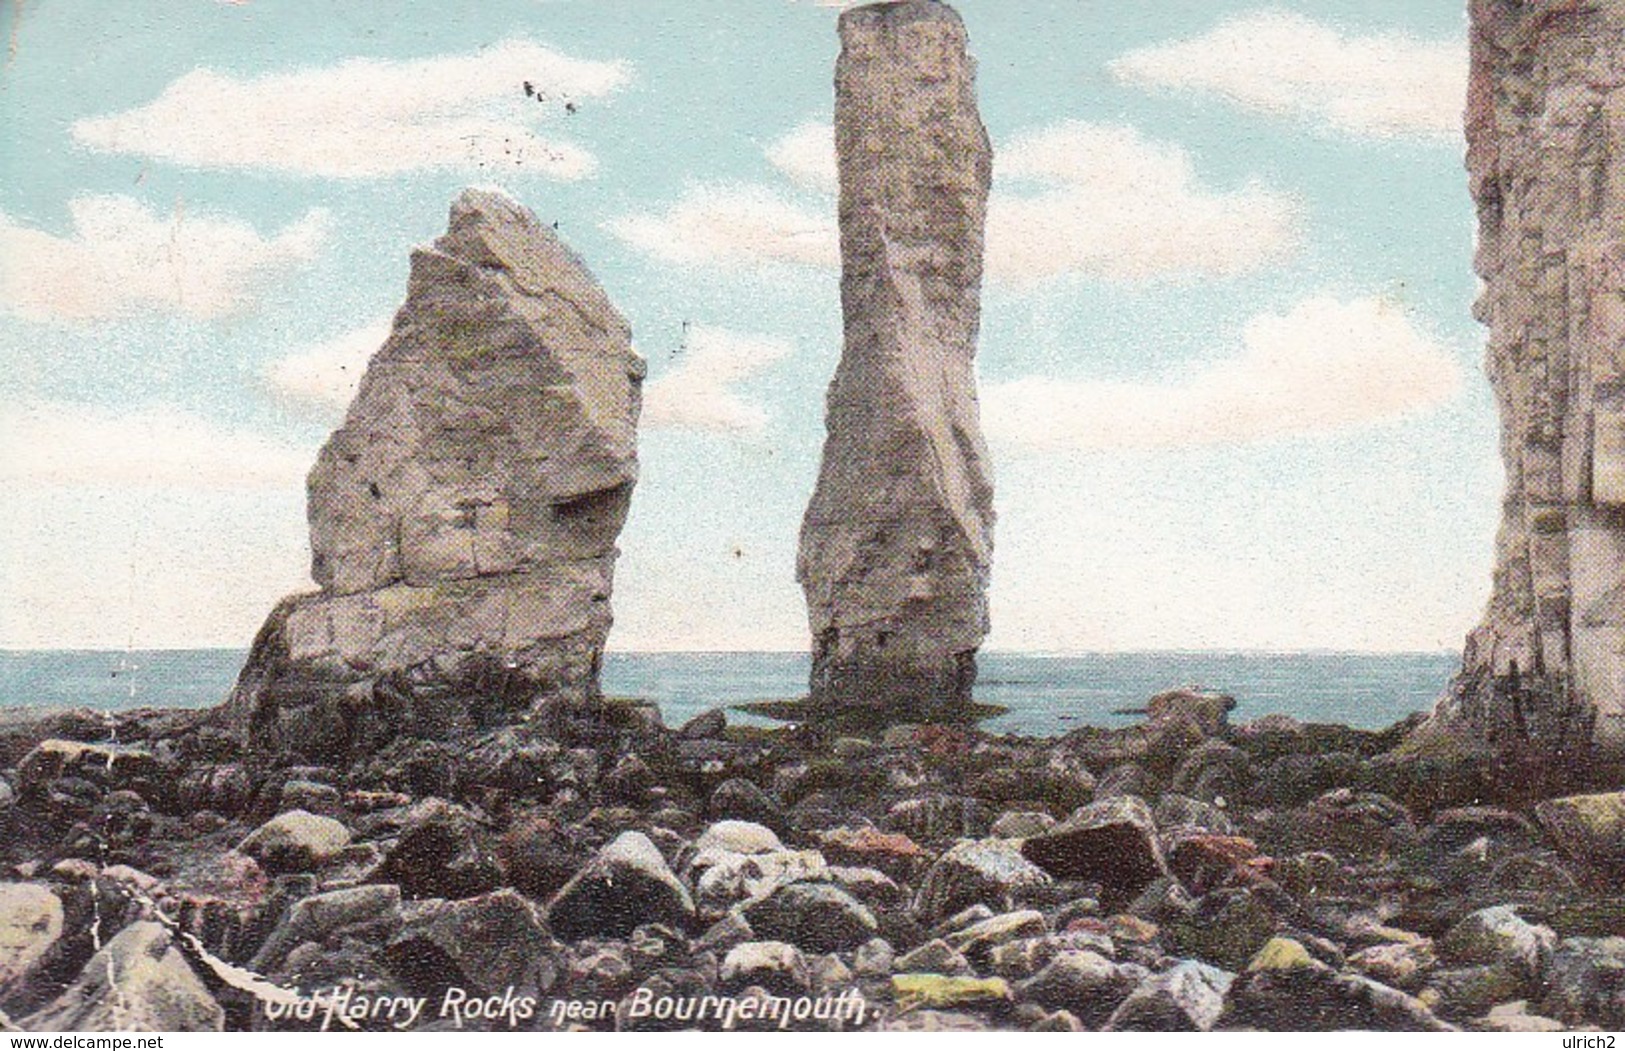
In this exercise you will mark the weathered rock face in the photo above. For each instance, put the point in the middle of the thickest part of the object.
(463, 519)
(1544, 673)
(897, 541)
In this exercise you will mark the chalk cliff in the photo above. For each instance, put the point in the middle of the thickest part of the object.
(1544, 674)
(463, 519)
(896, 545)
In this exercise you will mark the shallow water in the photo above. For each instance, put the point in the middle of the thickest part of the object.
(1045, 694)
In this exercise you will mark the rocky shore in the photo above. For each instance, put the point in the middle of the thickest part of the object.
(1182, 873)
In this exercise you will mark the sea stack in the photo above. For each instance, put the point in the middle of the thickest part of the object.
(896, 546)
(463, 519)
(1544, 674)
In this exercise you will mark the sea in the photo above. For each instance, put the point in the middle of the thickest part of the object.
(1042, 694)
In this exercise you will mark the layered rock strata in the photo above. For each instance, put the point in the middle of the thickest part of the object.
(896, 545)
(1544, 674)
(463, 519)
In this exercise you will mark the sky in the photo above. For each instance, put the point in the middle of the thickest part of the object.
(1228, 369)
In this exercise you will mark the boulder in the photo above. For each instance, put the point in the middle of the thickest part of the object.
(295, 841)
(1113, 841)
(1283, 990)
(483, 945)
(1585, 982)
(988, 871)
(463, 519)
(1187, 997)
(31, 920)
(1498, 935)
(138, 981)
(443, 851)
(1589, 829)
(775, 966)
(625, 886)
(814, 917)
(1084, 983)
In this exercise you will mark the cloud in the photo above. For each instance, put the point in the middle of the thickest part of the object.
(1281, 63)
(733, 226)
(1072, 199)
(807, 155)
(60, 444)
(369, 118)
(1116, 205)
(324, 377)
(122, 258)
(698, 394)
(1325, 365)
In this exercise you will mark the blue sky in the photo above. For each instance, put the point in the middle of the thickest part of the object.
(1229, 372)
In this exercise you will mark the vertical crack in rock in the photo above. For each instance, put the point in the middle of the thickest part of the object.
(896, 545)
(1544, 674)
(463, 519)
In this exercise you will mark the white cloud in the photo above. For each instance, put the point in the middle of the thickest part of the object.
(1282, 63)
(59, 444)
(324, 377)
(366, 118)
(807, 155)
(733, 226)
(1095, 200)
(1324, 365)
(698, 394)
(122, 258)
(1119, 206)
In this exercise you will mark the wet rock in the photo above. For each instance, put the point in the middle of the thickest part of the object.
(443, 851)
(1214, 770)
(707, 724)
(1401, 965)
(1187, 997)
(1207, 710)
(626, 885)
(139, 981)
(933, 819)
(484, 945)
(1113, 842)
(1465, 993)
(815, 917)
(724, 878)
(314, 918)
(1498, 935)
(628, 781)
(1084, 983)
(929, 1021)
(1226, 927)
(874, 958)
(745, 801)
(1204, 861)
(934, 957)
(986, 871)
(1124, 779)
(537, 856)
(296, 841)
(1293, 992)
(1589, 829)
(775, 966)
(1586, 982)
(978, 940)
(893, 853)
